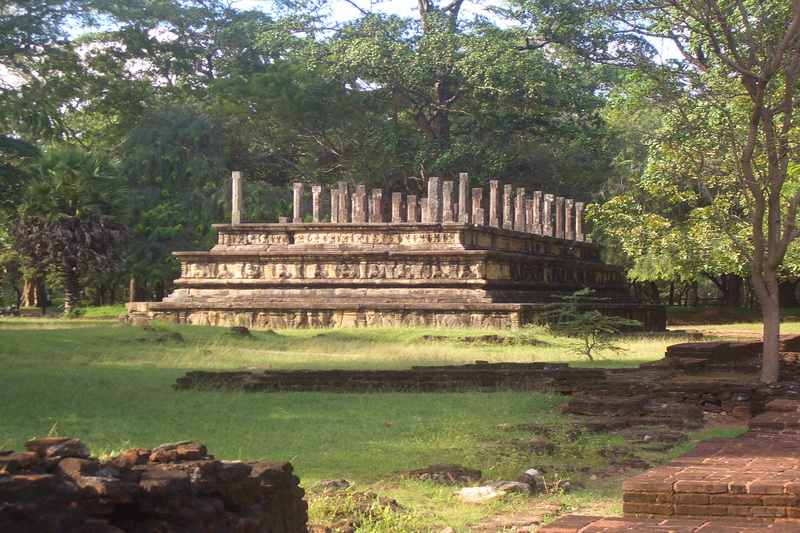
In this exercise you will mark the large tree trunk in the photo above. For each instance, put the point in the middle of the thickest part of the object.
(692, 298)
(734, 293)
(72, 293)
(788, 294)
(137, 291)
(28, 298)
(33, 293)
(766, 288)
(770, 369)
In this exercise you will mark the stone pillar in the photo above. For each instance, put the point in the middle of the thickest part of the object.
(494, 203)
(478, 213)
(424, 215)
(569, 219)
(537, 213)
(336, 208)
(376, 206)
(463, 199)
(434, 207)
(448, 213)
(412, 206)
(344, 203)
(316, 204)
(519, 210)
(560, 217)
(529, 224)
(360, 205)
(397, 207)
(547, 214)
(237, 194)
(579, 232)
(297, 203)
(508, 207)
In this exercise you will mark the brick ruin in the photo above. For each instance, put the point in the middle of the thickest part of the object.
(443, 260)
(56, 486)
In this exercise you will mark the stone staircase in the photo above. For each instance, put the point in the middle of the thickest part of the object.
(730, 485)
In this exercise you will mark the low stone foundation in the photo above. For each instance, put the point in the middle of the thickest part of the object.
(475, 377)
(55, 486)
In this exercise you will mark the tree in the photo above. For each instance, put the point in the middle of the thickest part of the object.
(467, 95)
(38, 65)
(174, 168)
(69, 221)
(737, 103)
(592, 327)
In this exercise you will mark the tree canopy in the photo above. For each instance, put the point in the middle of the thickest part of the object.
(688, 156)
(70, 218)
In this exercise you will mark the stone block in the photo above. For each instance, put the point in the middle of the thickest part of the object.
(647, 509)
(769, 512)
(58, 447)
(700, 510)
(765, 487)
(692, 498)
(704, 487)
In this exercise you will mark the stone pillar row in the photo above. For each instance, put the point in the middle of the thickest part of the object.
(539, 213)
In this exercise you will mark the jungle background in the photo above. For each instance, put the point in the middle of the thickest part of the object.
(120, 123)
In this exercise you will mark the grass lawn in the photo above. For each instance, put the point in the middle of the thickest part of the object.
(109, 385)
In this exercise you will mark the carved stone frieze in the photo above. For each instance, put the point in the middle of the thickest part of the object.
(380, 275)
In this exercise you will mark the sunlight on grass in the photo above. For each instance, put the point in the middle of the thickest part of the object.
(110, 385)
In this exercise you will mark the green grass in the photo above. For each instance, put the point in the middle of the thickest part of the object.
(109, 385)
(756, 328)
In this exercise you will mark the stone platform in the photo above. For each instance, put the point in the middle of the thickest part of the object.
(444, 275)
(741, 484)
(437, 262)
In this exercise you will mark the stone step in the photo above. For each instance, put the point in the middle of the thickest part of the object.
(780, 415)
(598, 524)
(784, 405)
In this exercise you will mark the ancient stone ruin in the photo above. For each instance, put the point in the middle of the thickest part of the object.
(744, 484)
(449, 259)
(55, 486)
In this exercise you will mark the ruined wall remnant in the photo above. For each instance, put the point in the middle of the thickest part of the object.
(434, 261)
(56, 486)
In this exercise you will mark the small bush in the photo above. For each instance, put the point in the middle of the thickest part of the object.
(593, 327)
(527, 334)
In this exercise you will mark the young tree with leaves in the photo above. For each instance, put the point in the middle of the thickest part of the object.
(736, 99)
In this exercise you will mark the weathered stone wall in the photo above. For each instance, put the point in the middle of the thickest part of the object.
(55, 486)
(475, 377)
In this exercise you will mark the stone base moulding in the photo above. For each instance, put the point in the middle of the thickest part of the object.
(383, 275)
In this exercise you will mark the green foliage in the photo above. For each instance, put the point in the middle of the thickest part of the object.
(592, 327)
(75, 311)
(70, 218)
(466, 95)
(13, 154)
(529, 334)
(174, 167)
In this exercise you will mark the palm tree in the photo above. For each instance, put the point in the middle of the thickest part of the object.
(70, 218)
